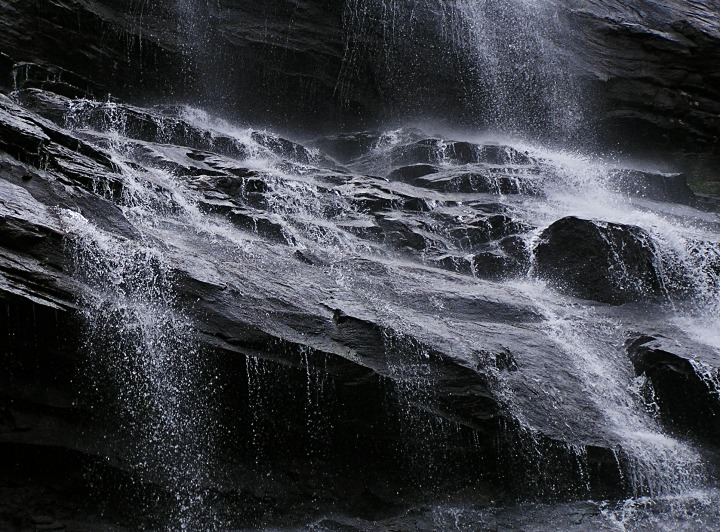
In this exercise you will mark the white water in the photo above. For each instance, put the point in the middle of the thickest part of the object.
(656, 463)
(684, 241)
(158, 358)
(139, 339)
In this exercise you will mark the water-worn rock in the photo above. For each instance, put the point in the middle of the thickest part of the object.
(684, 383)
(347, 311)
(659, 187)
(377, 319)
(655, 68)
(53, 178)
(596, 260)
(650, 68)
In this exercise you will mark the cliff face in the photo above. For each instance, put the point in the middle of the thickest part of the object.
(283, 332)
(311, 64)
(209, 326)
(656, 69)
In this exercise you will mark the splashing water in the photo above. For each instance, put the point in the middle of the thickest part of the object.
(158, 358)
(138, 336)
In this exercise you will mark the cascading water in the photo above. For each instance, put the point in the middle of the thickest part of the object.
(152, 357)
(383, 297)
(139, 342)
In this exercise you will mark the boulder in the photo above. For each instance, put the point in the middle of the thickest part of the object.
(684, 384)
(600, 261)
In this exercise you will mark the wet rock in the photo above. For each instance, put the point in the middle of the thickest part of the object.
(58, 80)
(655, 80)
(282, 147)
(478, 181)
(403, 234)
(6, 69)
(453, 263)
(346, 148)
(669, 107)
(45, 522)
(517, 248)
(494, 264)
(141, 124)
(470, 234)
(435, 151)
(367, 229)
(393, 338)
(600, 261)
(683, 383)
(412, 172)
(660, 187)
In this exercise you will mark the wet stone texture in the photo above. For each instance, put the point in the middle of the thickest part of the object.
(594, 260)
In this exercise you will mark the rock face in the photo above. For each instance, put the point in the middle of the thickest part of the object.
(656, 69)
(355, 308)
(76, 209)
(648, 68)
(681, 385)
(660, 187)
(205, 325)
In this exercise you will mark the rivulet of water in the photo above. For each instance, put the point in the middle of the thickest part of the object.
(139, 341)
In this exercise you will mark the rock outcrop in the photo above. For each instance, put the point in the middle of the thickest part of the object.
(208, 325)
(655, 68)
(244, 217)
(683, 382)
(294, 269)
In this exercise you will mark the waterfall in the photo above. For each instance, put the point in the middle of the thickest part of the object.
(139, 341)
(522, 77)
(512, 54)
(136, 325)
(656, 463)
(428, 325)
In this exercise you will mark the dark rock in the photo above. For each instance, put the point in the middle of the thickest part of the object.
(373, 199)
(57, 80)
(453, 263)
(516, 247)
(478, 181)
(402, 234)
(412, 172)
(600, 261)
(660, 187)
(671, 106)
(480, 230)
(348, 147)
(435, 151)
(283, 147)
(494, 264)
(370, 359)
(708, 202)
(417, 204)
(42, 519)
(314, 62)
(684, 388)
(6, 69)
